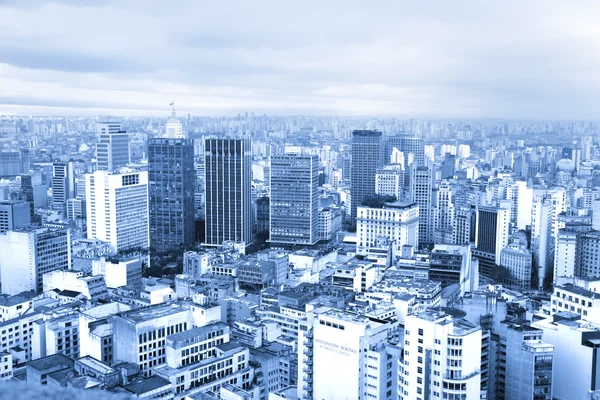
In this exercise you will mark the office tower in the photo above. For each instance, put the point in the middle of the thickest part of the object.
(63, 184)
(465, 225)
(27, 192)
(517, 258)
(542, 239)
(576, 371)
(442, 358)
(365, 366)
(448, 166)
(294, 201)
(228, 191)
(443, 210)
(347, 168)
(565, 259)
(140, 335)
(491, 236)
(451, 263)
(263, 210)
(366, 159)
(389, 180)
(28, 253)
(407, 145)
(112, 150)
(76, 209)
(586, 148)
(13, 215)
(173, 127)
(117, 208)
(171, 177)
(14, 162)
(521, 197)
(398, 222)
(421, 181)
(529, 363)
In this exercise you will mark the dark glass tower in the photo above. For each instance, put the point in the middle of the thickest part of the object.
(294, 199)
(228, 191)
(367, 157)
(171, 178)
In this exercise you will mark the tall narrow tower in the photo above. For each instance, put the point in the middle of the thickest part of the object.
(367, 157)
(294, 203)
(112, 150)
(171, 177)
(228, 191)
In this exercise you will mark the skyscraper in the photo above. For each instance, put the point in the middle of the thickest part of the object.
(421, 182)
(228, 190)
(367, 157)
(14, 214)
(63, 184)
(294, 203)
(491, 236)
(112, 150)
(117, 208)
(407, 145)
(173, 128)
(171, 177)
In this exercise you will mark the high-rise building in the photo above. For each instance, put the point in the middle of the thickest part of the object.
(366, 366)
(398, 222)
(442, 358)
(390, 181)
(492, 234)
(63, 184)
(448, 166)
(517, 258)
(14, 162)
(421, 181)
(13, 215)
(542, 240)
(529, 363)
(407, 145)
(294, 202)
(262, 214)
(451, 263)
(228, 191)
(465, 222)
(112, 150)
(367, 157)
(173, 127)
(117, 208)
(443, 210)
(171, 178)
(28, 253)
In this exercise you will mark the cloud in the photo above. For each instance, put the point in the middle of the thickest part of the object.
(506, 59)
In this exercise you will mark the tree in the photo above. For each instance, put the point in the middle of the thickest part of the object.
(377, 201)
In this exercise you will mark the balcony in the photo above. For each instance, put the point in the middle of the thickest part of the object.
(308, 351)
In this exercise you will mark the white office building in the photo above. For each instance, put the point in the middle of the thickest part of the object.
(344, 356)
(398, 221)
(28, 253)
(442, 358)
(117, 208)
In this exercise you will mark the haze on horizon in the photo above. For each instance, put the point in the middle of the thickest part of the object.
(459, 59)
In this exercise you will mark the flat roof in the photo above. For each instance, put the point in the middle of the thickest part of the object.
(578, 290)
(145, 385)
(152, 312)
(51, 361)
(192, 333)
(95, 364)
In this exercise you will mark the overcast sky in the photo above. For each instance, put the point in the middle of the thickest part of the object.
(505, 59)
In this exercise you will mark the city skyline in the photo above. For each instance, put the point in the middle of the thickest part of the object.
(459, 60)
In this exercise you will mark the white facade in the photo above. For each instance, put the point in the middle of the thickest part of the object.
(117, 209)
(576, 300)
(399, 222)
(353, 344)
(92, 287)
(542, 221)
(174, 129)
(28, 254)
(14, 307)
(118, 274)
(565, 256)
(390, 181)
(454, 350)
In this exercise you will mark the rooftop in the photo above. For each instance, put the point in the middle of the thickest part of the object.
(51, 361)
(145, 385)
(569, 287)
(152, 312)
(192, 333)
(97, 365)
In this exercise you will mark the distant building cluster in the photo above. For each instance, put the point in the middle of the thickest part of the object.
(255, 257)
